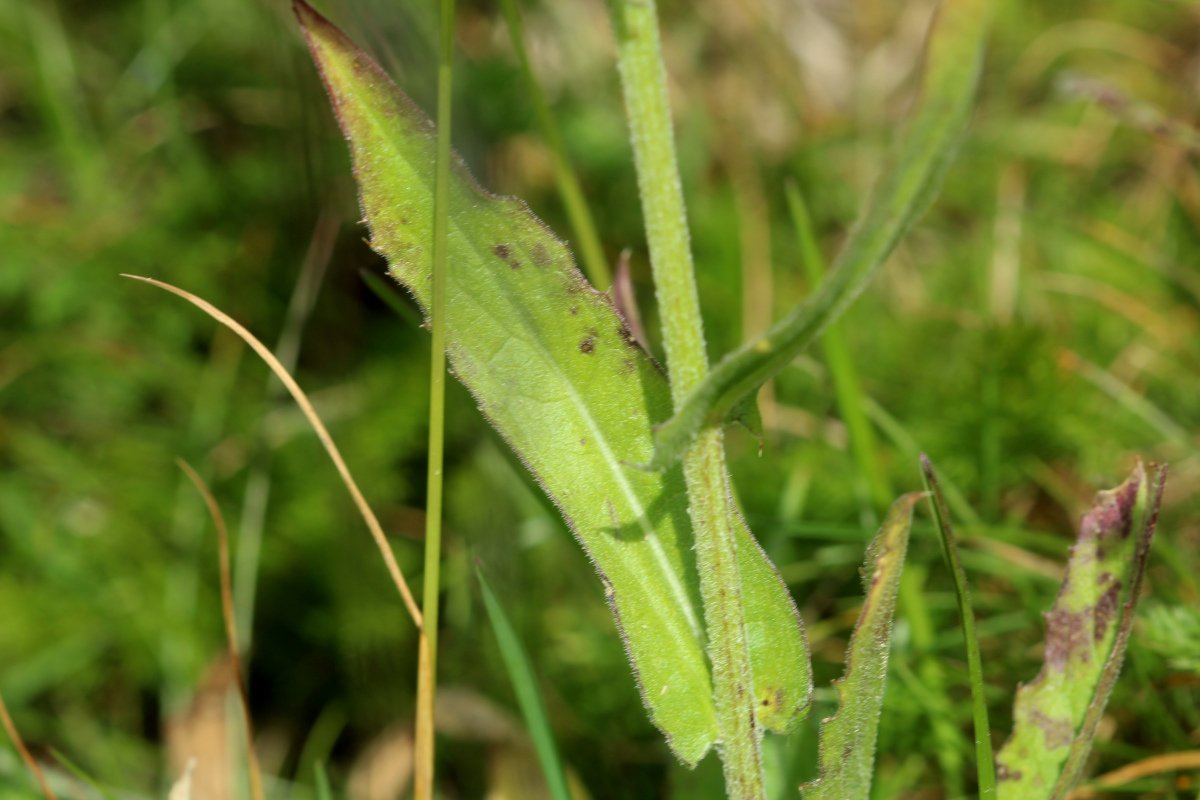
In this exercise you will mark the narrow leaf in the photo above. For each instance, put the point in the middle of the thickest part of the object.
(554, 369)
(847, 743)
(953, 63)
(524, 683)
(984, 759)
(1087, 629)
(323, 790)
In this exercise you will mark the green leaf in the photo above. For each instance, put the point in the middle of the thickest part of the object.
(954, 60)
(984, 759)
(323, 790)
(524, 683)
(554, 369)
(847, 743)
(1087, 629)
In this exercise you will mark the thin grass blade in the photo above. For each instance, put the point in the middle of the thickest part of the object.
(984, 758)
(591, 253)
(524, 683)
(80, 775)
(555, 370)
(323, 790)
(847, 741)
(954, 59)
(229, 617)
(35, 769)
(310, 414)
(427, 644)
(1087, 629)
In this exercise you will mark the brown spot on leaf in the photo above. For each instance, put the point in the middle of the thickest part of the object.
(504, 253)
(1058, 731)
(1067, 634)
(541, 257)
(1106, 606)
(588, 345)
(627, 335)
(574, 311)
(1003, 773)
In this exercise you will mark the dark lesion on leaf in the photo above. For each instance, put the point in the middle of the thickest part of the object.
(1004, 773)
(1068, 634)
(1106, 606)
(1057, 731)
(504, 253)
(588, 345)
(772, 697)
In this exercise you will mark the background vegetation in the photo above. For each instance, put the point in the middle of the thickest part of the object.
(1037, 332)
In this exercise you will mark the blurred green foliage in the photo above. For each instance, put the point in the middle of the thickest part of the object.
(1036, 332)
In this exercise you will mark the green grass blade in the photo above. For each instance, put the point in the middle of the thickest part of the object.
(1087, 629)
(389, 295)
(953, 63)
(591, 252)
(524, 683)
(323, 790)
(984, 758)
(82, 776)
(553, 368)
(427, 646)
(847, 743)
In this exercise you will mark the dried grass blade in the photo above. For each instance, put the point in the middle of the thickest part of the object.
(231, 638)
(318, 427)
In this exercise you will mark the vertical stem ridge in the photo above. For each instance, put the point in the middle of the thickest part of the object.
(644, 81)
(427, 651)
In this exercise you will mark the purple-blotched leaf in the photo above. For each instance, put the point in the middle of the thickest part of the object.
(1087, 629)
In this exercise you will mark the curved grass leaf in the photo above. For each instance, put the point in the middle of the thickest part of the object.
(847, 743)
(985, 763)
(524, 683)
(1055, 715)
(954, 59)
(554, 369)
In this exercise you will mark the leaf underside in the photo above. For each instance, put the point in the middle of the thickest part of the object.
(847, 741)
(554, 368)
(1087, 629)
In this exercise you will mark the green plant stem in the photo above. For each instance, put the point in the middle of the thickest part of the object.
(643, 79)
(427, 648)
(587, 241)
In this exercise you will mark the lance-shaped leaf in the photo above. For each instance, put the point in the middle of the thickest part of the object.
(555, 370)
(954, 59)
(847, 743)
(1055, 716)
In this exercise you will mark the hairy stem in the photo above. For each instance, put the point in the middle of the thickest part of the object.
(643, 78)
